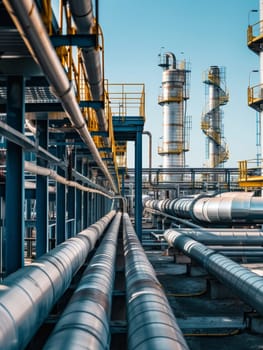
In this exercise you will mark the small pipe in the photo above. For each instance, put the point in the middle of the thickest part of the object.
(86, 318)
(28, 295)
(38, 170)
(172, 56)
(151, 322)
(246, 284)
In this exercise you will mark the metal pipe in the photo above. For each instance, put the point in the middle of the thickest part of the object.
(82, 13)
(151, 322)
(86, 317)
(234, 237)
(246, 284)
(38, 170)
(227, 208)
(27, 296)
(29, 23)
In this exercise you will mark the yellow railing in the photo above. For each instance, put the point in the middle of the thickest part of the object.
(255, 94)
(254, 32)
(250, 173)
(126, 99)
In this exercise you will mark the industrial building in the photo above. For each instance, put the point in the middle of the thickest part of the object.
(94, 255)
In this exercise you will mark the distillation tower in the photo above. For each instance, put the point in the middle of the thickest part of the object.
(175, 93)
(211, 124)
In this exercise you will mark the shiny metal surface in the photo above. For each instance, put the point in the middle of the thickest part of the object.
(172, 101)
(82, 13)
(212, 117)
(246, 284)
(227, 208)
(85, 321)
(29, 23)
(236, 237)
(151, 322)
(27, 296)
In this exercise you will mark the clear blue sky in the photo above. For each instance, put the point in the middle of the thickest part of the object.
(204, 32)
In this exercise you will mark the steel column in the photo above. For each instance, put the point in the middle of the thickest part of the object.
(79, 199)
(71, 197)
(138, 184)
(14, 195)
(85, 198)
(60, 201)
(42, 194)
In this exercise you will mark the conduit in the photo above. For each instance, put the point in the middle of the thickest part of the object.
(26, 17)
(246, 284)
(151, 322)
(28, 295)
(85, 321)
(83, 17)
(38, 170)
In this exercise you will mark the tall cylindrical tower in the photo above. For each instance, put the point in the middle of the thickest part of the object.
(261, 70)
(174, 95)
(255, 93)
(212, 126)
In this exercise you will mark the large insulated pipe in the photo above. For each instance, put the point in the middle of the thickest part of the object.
(85, 321)
(29, 23)
(226, 208)
(233, 237)
(82, 13)
(246, 284)
(151, 322)
(28, 295)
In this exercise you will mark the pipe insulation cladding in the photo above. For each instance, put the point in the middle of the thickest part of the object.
(28, 295)
(226, 208)
(151, 322)
(86, 317)
(246, 284)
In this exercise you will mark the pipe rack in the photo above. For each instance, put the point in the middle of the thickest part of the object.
(246, 284)
(86, 318)
(151, 322)
(27, 296)
(29, 23)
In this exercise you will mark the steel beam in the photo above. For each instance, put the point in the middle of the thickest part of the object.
(14, 229)
(42, 202)
(61, 202)
(138, 184)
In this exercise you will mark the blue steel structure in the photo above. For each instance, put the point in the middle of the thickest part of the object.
(54, 210)
(60, 178)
